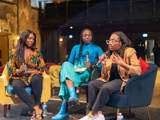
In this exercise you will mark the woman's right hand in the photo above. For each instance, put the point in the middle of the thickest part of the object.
(102, 57)
(88, 64)
(22, 68)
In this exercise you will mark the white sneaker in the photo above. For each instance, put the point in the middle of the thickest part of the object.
(100, 117)
(84, 118)
(88, 117)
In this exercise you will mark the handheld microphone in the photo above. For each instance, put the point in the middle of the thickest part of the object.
(105, 54)
(25, 70)
(87, 56)
(99, 61)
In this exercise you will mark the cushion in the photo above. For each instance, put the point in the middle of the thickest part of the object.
(48, 65)
(10, 91)
(144, 65)
(54, 71)
(1, 68)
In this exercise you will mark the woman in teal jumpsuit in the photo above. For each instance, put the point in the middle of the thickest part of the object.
(84, 56)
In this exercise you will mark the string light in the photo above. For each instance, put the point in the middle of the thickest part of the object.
(71, 27)
(60, 39)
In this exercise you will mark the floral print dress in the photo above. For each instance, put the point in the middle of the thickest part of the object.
(34, 61)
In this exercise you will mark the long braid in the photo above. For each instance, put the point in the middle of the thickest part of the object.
(81, 46)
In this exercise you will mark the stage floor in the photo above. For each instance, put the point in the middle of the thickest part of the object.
(53, 107)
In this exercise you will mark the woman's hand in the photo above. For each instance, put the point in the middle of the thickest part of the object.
(102, 57)
(22, 68)
(88, 64)
(117, 59)
(31, 71)
(103, 62)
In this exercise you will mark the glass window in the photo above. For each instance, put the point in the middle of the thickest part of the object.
(35, 3)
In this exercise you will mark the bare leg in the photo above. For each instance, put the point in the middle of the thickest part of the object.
(69, 83)
(37, 110)
(71, 88)
(37, 115)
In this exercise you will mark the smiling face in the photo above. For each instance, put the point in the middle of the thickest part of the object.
(30, 40)
(87, 36)
(114, 42)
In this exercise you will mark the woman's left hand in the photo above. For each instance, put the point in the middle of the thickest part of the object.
(117, 59)
(31, 71)
(88, 64)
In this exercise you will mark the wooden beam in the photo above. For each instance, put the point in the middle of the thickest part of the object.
(5, 107)
(8, 2)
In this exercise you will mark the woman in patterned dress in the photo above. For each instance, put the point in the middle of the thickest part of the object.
(26, 65)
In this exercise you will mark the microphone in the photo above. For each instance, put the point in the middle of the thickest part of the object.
(25, 70)
(87, 56)
(107, 53)
(22, 62)
(99, 61)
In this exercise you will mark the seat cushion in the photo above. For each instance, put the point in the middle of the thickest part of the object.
(54, 73)
(1, 68)
(10, 91)
(118, 100)
(83, 84)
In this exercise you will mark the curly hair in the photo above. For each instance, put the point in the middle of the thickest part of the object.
(21, 43)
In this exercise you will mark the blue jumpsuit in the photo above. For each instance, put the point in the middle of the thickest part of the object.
(68, 69)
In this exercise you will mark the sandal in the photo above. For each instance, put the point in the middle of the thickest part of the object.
(38, 116)
(33, 116)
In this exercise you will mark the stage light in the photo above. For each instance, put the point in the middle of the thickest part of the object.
(145, 35)
(60, 39)
(71, 27)
(18, 37)
(70, 36)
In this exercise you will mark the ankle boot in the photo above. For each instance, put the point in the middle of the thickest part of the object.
(72, 94)
(73, 103)
(62, 113)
